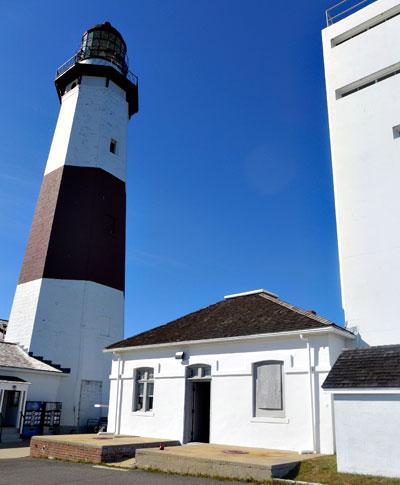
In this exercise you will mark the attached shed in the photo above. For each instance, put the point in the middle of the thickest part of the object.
(23, 378)
(365, 384)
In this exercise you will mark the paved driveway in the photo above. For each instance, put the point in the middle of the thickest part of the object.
(28, 471)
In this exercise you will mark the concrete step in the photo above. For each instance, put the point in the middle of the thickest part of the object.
(10, 435)
(230, 462)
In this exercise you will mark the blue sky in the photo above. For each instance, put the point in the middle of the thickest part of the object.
(229, 186)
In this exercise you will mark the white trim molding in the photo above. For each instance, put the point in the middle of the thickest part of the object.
(240, 338)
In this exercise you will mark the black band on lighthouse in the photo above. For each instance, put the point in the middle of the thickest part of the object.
(78, 230)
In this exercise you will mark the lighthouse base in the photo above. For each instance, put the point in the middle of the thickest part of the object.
(70, 322)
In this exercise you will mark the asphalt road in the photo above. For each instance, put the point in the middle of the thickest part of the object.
(27, 471)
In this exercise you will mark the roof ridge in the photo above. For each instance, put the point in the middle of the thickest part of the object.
(299, 310)
(373, 347)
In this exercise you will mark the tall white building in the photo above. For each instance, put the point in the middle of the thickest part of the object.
(362, 70)
(69, 302)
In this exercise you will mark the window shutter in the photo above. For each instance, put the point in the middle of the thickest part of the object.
(269, 386)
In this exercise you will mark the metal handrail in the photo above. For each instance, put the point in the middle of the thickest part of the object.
(79, 56)
(67, 65)
(331, 19)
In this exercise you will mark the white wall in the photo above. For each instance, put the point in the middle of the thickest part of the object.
(23, 313)
(44, 386)
(366, 171)
(367, 433)
(72, 323)
(90, 115)
(232, 420)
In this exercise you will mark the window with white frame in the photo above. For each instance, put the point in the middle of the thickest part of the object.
(144, 389)
(199, 371)
(268, 391)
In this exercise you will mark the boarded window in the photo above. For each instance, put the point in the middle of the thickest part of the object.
(268, 388)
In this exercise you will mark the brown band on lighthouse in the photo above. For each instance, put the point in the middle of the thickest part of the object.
(78, 230)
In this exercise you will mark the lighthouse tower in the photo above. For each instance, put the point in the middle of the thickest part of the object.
(69, 302)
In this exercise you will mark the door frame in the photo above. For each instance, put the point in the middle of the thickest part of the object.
(14, 385)
(194, 373)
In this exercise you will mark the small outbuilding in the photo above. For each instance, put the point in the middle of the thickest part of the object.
(365, 384)
(245, 371)
(23, 378)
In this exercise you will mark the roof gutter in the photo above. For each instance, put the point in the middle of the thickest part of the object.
(54, 372)
(293, 333)
(363, 390)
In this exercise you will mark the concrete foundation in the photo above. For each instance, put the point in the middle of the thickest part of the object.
(220, 461)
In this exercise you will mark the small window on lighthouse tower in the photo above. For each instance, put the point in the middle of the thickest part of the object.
(113, 146)
(396, 131)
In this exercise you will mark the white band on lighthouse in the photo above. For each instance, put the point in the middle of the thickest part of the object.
(92, 114)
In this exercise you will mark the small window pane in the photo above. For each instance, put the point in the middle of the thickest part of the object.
(113, 146)
(207, 371)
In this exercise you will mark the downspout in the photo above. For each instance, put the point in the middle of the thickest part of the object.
(312, 396)
(118, 397)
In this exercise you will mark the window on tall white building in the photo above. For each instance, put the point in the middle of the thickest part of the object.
(268, 392)
(144, 389)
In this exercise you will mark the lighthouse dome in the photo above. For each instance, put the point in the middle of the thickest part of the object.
(103, 44)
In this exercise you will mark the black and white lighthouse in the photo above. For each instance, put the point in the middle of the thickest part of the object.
(69, 302)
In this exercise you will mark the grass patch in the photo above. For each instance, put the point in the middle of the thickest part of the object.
(323, 470)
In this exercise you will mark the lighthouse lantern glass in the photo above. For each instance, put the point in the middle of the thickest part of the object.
(106, 45)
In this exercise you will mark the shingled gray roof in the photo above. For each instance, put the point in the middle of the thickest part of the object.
(373, 367)
(245, 315)
(11, 355)
(3, 328)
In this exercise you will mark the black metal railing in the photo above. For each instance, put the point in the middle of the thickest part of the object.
(342, 9)
(1, 425)
(81, 55)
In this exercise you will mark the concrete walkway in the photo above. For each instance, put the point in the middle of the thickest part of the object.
(225, 461)
(14, 450)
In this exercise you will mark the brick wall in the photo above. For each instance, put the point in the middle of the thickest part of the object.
(42, 448)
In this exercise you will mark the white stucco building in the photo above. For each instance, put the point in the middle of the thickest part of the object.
(362, 70)
(245, 371)
(365, 385)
